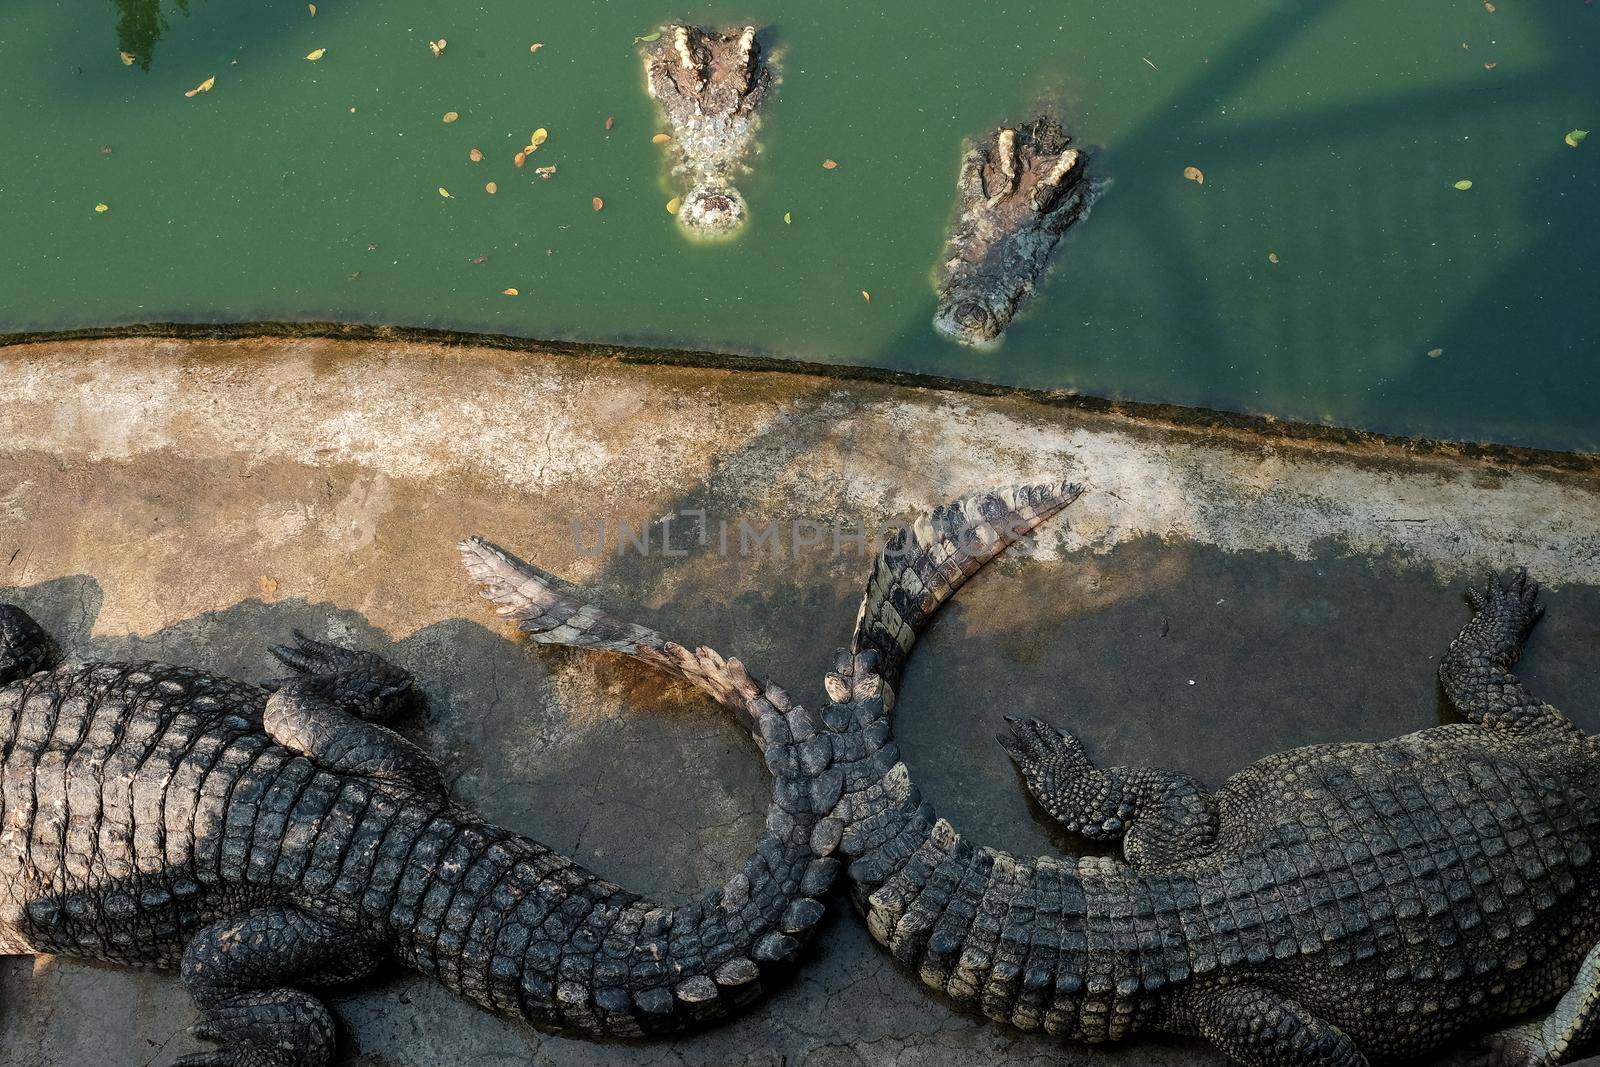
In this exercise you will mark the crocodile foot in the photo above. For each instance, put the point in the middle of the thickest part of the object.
(24, 646)
(1507, 612)
(365, 682)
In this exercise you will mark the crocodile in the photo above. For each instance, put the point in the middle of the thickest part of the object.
(710, 87)
(1019, 190)
(269, 841)
(1329, 906)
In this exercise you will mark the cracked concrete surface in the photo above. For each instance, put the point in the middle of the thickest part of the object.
(1215, 597)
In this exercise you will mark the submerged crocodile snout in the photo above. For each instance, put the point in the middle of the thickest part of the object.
(969, 321)
(712, 212)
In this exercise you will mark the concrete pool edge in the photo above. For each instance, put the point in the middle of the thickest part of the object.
(1158, 415)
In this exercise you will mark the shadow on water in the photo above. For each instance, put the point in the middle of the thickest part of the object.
(141, 23)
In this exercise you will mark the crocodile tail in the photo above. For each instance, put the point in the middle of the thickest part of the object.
(661, 968)
(995, 933)
(923, 564)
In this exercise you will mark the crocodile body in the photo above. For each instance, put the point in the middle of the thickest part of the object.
(1333, 905)
(270, 840)
(710, 87)
(1019, 190)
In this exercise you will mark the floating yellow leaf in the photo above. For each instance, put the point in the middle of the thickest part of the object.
(1487, 6)
(316, 54)
(475, 155)
(101, 209)
(866, 296)
(268, 584)
(1195, 174)
(519, 159)
(509, 292)
(1435, 353)
(437, 47)
(540, 136)
(1463, 185)
(598, 203)
(611, 120)
(661, 138)
(204, 87)
(313, 9)
(1490, 66)
(786, 219)
(828, 164)
(535, 46)
(1574, 138)
(491, 188)
(451, 116)
(445, 193)
(128, 58)
(1272, 257)
(674, 204)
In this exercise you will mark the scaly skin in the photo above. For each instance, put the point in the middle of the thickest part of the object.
(270, 840)
(710, 87)
(1020, 190)
(1335, 905)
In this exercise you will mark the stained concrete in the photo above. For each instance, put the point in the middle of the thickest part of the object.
(1217, 595)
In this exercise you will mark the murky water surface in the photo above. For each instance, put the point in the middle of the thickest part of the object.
(1327, 268)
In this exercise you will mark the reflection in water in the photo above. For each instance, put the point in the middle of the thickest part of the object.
(141, 25)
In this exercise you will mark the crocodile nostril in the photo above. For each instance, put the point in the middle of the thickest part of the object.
(975, 317)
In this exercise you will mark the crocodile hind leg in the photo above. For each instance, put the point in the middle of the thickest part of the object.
(1257, 1027)
(24, 646)
(1161, 817)
(1476, 671)
(244, 974)
(331, 708)
(1564, 1035)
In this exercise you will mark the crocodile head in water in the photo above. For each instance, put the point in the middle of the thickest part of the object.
(1020, 189)
(709, 86)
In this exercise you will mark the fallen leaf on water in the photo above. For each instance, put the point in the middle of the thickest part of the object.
(128, 58)
(1487, 6)
(1195, 174)
(101, 209)
(476, 155)
(1575, 138)
(313, 9)
(437, 47)
(451, 116)
(1490, 66)
(204, 87)
(611, 120)
(509, 292)
(598, 203)
(445, 193)
(535, 46)
(1463, 185)
(540, 136)
(519, 159)
(546, 172)
(491, 188)
(661, 138)
(476, 260)
(268, 584)
(674, 204)
(1272, 257)
(105, 150)
(316, 54)
(649, 38)
(1435, 353)
(828, 164)
(786, 219)
(866, 296)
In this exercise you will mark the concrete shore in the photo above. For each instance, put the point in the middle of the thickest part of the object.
(1225, 589)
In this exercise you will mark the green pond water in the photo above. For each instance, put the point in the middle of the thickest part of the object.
(1330, 134)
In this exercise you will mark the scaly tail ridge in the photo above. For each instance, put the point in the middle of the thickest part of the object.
(666, 968)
